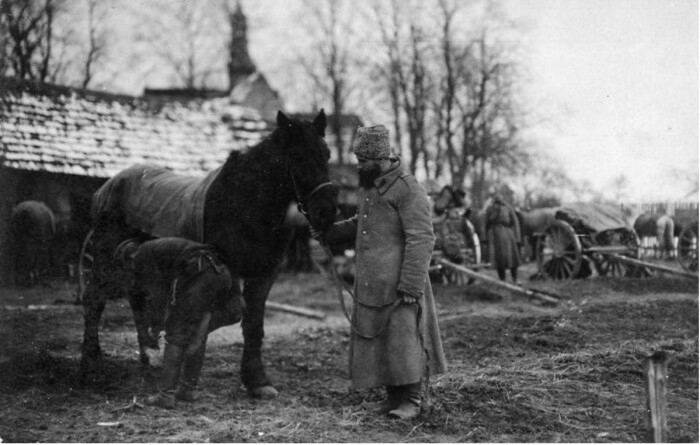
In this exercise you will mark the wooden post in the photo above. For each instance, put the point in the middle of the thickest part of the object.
(302, 311)
(655, 367)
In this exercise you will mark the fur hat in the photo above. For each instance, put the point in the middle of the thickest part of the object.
(372, 143)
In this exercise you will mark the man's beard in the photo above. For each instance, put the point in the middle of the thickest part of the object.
(368, 175)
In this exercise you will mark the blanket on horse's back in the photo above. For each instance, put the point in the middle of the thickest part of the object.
(155, 201)
(595, 217)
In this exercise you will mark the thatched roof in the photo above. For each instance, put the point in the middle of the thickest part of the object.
(64, 130)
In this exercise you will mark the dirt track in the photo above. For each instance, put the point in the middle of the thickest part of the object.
(518, 371)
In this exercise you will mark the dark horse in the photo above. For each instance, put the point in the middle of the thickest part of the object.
(33, 231)
(242, 212)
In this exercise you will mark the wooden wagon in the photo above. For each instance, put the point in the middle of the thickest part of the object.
(688, 247)
(585, 236)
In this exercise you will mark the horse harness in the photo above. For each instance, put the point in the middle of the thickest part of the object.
(302, 201)
(194, 266)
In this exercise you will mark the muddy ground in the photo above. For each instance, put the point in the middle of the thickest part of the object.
(519, 370)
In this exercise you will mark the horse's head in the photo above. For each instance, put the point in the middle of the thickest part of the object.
(306, 155)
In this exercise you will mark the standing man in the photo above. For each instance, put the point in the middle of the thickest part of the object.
(503, 232)
(395, 339)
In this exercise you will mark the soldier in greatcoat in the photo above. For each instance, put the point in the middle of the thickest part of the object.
(503, 232)
(184, 289)
(395, 339)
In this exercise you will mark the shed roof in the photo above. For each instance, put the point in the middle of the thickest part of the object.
(64, 130)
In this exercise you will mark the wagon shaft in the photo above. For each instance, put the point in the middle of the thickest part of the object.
(480, 276)
(635, 262)
(610, 250)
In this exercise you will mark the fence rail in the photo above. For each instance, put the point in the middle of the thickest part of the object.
(670, 207)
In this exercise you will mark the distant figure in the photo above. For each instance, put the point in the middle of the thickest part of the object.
(454, 233)
(503, 232)
(32, 229)
(182, 287)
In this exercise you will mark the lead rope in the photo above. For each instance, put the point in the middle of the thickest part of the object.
(340, 288)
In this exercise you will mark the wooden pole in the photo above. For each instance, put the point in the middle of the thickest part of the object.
(479, 276)
(636, 262)
(655, 367)
(304, 312)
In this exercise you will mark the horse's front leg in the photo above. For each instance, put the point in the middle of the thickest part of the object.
(255, 292)
(148, 346)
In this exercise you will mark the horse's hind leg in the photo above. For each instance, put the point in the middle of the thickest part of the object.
(91, 360)
(255, 292)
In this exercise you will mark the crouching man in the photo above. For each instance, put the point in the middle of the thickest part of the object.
(184, 288)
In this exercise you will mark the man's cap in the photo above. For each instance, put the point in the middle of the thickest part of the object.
(372, 143)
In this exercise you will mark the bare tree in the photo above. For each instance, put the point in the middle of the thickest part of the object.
(328, 63)
(189, 39)
(96, 41)
(619, 185)
(405, 74)
(29, 28)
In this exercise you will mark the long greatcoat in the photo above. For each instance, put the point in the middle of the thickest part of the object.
(503, 230)
(394, 241)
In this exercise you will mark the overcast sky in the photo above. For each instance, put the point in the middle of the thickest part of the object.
(620, 80)
(616, 80)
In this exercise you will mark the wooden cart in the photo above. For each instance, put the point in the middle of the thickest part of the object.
(688, 247)
(585, 236)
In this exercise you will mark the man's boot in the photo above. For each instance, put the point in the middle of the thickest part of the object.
(410, 402)
(191, 372)
(170, 373)
(392, 401)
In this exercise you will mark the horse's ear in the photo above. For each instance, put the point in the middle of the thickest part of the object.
(320, 123)
(283, 120)
(281, 135)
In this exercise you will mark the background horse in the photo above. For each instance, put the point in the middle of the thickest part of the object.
(660, 227)
(655, 230)
(239, 209)
(33, 230)
(533, 222)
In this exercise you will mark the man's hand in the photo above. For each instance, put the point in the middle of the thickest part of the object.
(407, 299)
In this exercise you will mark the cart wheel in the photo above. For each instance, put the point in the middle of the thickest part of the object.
(85, 263)
(559, 254)
(608, 266)
(688, 249)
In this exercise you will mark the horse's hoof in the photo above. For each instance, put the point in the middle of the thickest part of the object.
(263, 392)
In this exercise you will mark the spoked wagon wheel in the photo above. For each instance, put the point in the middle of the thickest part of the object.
(559, 254)
(688, 249)
(85, 263)
(608, 266)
